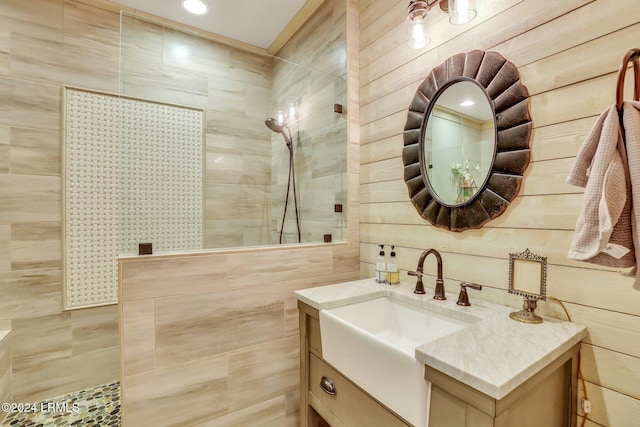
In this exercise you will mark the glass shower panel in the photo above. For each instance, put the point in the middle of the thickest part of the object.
(242, 174)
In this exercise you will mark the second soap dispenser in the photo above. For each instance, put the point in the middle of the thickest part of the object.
(393, 274)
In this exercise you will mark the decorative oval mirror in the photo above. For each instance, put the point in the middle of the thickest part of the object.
(466, 140)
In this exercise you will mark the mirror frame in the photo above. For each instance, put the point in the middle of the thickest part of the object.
(509, 99)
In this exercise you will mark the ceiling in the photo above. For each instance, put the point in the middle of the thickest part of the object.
(256, 22)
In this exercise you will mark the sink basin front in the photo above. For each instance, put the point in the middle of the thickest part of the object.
(373, 343)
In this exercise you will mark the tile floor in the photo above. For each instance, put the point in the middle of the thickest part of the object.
(98, 406)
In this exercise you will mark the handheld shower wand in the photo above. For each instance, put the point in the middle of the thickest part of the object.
(276, 127)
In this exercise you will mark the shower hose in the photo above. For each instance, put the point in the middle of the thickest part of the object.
(291, 182)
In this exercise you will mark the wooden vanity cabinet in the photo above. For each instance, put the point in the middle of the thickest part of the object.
(547, 399)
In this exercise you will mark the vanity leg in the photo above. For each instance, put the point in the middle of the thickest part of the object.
(305, 413)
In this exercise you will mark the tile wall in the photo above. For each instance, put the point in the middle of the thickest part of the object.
(45, 44)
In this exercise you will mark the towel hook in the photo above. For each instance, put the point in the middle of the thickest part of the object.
(632, 55)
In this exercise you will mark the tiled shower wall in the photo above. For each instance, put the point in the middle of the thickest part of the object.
(234, 89)
(45, 44)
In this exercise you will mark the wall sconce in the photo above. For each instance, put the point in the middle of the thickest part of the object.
(460, 12)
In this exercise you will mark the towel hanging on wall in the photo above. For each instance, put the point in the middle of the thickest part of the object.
(608, 167)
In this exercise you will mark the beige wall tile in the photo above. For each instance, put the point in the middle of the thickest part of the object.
(231, 233)
(5, 371)
(37, 340)
(94, 328)
(193, 326)
(263, 267)
(29, 104)
(154, 278)
(5, 63)
(291, 302)
(5, 353)
(263, 371)
(25, 293)
(5, 390)
(28, 198)
(292, 408)
(186, 394)
(35, 245)
(38, 17)
(270, 413)
(230, 201)
(5, 135)
(89, 27)
(146, 80)
(140, 39)
(35, 152)
(5, 247)
(59, 376)
(194, 53)
(253, 69)
(55, 62)
(138, 336)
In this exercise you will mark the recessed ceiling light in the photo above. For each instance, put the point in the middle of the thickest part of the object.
(197, 7)
(467, 103)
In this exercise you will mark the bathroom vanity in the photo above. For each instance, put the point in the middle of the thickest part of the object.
(492, 372)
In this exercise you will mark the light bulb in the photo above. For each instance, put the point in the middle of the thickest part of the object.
(418, 35)
(417, 19)
(461, 11)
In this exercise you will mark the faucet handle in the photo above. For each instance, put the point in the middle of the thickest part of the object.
(463, 298)
(419, 285)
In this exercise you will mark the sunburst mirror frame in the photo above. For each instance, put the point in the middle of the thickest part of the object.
(509, 100)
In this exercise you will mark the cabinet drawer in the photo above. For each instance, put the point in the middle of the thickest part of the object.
(350, 404)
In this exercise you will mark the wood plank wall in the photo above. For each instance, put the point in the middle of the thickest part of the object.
(568, 53)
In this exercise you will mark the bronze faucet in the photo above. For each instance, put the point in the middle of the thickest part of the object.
(439, 294)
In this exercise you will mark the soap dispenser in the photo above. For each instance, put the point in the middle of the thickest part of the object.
(393, 274)
(381, 266)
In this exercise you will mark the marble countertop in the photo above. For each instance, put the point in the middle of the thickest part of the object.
(494, 355)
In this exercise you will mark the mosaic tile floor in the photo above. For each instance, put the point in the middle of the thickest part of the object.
(99, 406)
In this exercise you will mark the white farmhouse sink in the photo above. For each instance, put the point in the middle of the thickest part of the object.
(373, 343)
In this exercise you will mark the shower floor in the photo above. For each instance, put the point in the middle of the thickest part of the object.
(98, 406)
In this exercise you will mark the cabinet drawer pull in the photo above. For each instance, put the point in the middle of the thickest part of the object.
(328, 386)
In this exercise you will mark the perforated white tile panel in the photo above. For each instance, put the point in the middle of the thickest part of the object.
(148, 188)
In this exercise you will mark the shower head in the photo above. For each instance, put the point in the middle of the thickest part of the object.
(274, 126)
